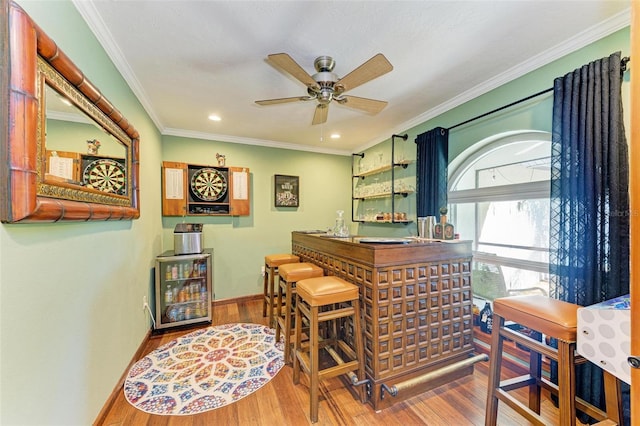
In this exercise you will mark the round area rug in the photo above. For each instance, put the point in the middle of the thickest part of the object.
(204, 370)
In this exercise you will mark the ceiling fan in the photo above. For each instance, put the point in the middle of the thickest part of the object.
(324, 86)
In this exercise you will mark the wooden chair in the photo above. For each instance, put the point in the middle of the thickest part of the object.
(553, 318)
(320, 300)
(271, 264)
(290, 274)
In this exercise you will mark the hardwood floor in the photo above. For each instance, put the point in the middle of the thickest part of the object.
(279, 402)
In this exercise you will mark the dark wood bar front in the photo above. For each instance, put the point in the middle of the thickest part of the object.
(417, 306)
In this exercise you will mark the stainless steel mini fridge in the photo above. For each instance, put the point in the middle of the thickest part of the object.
(183, 288)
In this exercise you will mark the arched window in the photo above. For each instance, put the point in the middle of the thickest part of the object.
(499, 198)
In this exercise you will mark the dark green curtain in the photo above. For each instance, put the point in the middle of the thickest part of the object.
(432, 159)
(589, 231)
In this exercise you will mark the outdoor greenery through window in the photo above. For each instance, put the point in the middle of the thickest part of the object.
(499, 198)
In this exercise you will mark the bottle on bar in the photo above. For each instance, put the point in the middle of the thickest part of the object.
(443, 230)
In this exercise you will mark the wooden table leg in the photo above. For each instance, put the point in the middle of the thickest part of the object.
(613, 397)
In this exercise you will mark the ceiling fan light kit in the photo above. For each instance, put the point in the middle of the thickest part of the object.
(325, 86)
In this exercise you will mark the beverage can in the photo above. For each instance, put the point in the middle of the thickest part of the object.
(172, 314)
(174, 272)
(168, 295)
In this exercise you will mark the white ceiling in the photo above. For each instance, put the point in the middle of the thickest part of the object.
(188, 59)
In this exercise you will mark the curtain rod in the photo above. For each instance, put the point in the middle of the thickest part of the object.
(500, 108)
(623, 68)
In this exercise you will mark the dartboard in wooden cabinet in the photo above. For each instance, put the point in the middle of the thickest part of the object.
(208, 184)
(105, 174)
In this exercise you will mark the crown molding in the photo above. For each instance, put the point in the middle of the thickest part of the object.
(578, 41)
(97, 25)
(250, 141)
(90, 14)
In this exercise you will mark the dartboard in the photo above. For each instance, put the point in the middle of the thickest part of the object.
(107, 175)
(208, 184)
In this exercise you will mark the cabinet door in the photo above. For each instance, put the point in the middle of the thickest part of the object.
(183, 290)
(239, 203)
(174, 189)
(63, 165)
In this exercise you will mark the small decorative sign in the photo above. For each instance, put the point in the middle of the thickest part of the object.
(286, 191)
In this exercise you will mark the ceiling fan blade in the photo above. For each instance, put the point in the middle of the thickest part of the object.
(286, 63)
(372, 106)
(373, 68)
(320, 116)
(283, 100)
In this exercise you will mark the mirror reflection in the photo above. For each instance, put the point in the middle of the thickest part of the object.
(60, 163)
(78, 150)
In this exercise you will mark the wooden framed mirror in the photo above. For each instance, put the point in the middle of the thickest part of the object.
(74, 162)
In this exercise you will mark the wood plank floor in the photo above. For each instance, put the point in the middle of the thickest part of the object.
(279, 402)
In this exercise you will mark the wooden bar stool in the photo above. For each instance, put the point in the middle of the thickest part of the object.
(271, 264)
(290, 274)
(319, 300)
(553, 318)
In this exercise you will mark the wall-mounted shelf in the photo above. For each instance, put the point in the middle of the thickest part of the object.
(381, 195)
(381, 169)
(383, 221)
(378, 191)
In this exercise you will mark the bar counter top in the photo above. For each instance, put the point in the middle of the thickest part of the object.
(401, 251)
(416, 301)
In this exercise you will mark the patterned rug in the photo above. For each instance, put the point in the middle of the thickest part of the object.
(204, 370)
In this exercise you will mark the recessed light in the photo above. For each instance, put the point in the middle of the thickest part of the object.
(335, 136)
(214, 117)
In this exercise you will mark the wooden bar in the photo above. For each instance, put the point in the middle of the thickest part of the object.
(417, 305)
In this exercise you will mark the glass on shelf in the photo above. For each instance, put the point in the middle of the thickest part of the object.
(400, 186)
(370, 214)
(381, 183)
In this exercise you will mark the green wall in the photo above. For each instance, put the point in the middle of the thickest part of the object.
(70, 294)
(534, 114)
(71, 136)
(240, 243)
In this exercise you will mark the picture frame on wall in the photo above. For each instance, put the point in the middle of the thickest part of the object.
(287, 191)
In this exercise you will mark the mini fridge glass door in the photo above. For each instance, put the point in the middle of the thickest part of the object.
(183, 289)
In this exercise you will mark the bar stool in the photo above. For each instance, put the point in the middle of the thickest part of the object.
(319, 300)
(290, 274)
(553, 318)
(271, 264)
